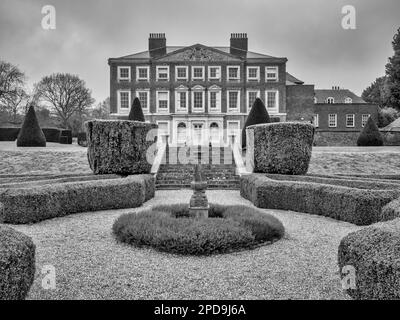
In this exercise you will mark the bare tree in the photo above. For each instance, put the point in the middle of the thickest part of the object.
(65, 93)
(12, 91)
(14, 102)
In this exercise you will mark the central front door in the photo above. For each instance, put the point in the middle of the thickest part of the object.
(197, 136)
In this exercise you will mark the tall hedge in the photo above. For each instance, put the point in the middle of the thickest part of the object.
(258, 114)
(31, 135)
(370, 135)
(136, 112)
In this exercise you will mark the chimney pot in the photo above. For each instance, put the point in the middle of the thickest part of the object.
(239, 44)
(157, 45)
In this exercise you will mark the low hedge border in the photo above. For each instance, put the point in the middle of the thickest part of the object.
(51, 134)
(17, 264)
(33, 204)
(354, 205)
(374, 252)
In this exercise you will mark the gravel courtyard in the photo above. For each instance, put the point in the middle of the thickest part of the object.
(90, 264)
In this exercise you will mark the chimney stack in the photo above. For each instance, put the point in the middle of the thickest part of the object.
(239, 44)
(157, 45)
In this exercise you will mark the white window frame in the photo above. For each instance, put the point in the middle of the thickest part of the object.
(348, 100)
(316, 120)
(148, 73)
(119, 73)
(203, 73)
(198, 89)
(237, 109)
(352, 115)
(218, 77)
(276, 108)
(168, 130)
(163, 111)
(178, 108)
(218, 92)
(228, 130)
(180, 78)
(147, 91)
(363, 123)
(330, 99)
(248, 98)
(158, 73)
(276, 78)
(329, 120)
(248, 73)
(124, 110)
(238, 73)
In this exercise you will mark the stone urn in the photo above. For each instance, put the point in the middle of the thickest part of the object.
(198, 206)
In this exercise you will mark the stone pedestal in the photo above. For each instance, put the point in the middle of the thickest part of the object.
(198, 207)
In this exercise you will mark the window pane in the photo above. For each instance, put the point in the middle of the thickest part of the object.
(213, 100)
(198, 100)
(252, 97)
(163, 100)
(271, 100)
(143, 99)
(143, 73)
(124, 73)
(181, 72)
(233, 99)
(124, 100)
(213, 72)
(233, 73)
(253, 73)
(182, 99)
(197, 72)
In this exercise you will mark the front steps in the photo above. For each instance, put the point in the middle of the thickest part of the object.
(218, 167)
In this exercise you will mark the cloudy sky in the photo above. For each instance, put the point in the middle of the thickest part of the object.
(308, 32)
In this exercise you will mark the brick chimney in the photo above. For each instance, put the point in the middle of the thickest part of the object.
(239, 44)
(157, 45)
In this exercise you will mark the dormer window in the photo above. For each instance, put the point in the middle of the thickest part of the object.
(330, 100)
(348, 100)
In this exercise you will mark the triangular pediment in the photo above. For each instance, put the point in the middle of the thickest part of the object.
(198, 52)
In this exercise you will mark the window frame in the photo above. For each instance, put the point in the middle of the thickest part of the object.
(168, 122)
(128, 79)
(177, 78)
(276, 79)
(276, 108)
(138, 78)
(147, 91)
(329, 99)
(316, 120)
(162, 110)
(238, 73)
(362, 120)
(158, 73)
(248, 73)
(203, 73)
(248, 108)
(354, 120)
(219, 73)
(348, 100)
(228, 108)
(119, 100)
(329, 120)
(218, 98)
(178, 92)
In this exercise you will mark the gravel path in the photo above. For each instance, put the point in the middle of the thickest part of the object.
(90, 264)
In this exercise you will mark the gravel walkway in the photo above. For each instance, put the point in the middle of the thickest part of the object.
(90, 264)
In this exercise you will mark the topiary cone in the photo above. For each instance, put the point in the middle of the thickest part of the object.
(136, 113)
(370, 135)
(258, 114)
(31, 135)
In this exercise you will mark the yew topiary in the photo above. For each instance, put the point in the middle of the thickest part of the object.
(136, 113)
(31, 135)
(370, 135)
(258, 114)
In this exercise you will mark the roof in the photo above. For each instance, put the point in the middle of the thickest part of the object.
(171, 49)
(339, 95)
(394, 126)
(291, 80)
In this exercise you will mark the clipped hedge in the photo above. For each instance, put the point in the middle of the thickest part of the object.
(119, 146)
(52, 134)
(8, 134)
(283, 148)
(354, 205)
(32, 204)
(66, 133)
(374, 252)
(169, 228)
(31, 135)
(82, 140)
(17, 264)
(370, 135)
(64, 140)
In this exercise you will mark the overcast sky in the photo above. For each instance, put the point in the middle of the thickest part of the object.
(307, 32)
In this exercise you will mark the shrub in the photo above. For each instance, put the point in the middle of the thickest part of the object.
(168, 228)
(29, 204)
(136, 112)
(258, 114)
(66, 133)
(52, 134)
(82, 139)
(119, 146)
(283, 148)
(8, 134)
(370, 135)
(374, 252)
(17, 264)
(30, 134)
(386, 116)
(351, 204)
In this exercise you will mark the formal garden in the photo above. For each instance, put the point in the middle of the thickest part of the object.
(303, 220)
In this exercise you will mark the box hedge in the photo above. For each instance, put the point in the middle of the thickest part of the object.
(370, 135)
(31, 135)
(17, 264)
(374, 252)
(52, 134)
(283, 148)
(66, 133)
(82, 140)
(354, 205)
(8, 134)
(30, 204)
(119, 146)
